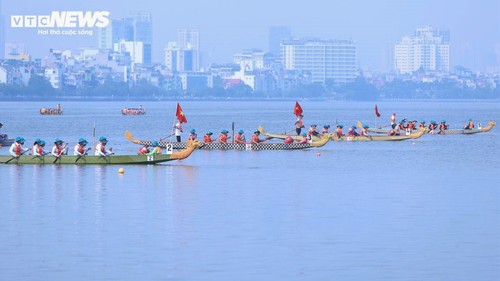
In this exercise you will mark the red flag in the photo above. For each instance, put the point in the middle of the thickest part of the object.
(180, 114)
(297, 110)
(376, 111)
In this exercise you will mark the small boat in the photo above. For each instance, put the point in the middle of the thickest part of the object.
(51, 111)
(133, 111)
(334, 137)
(102, 160)
(6, 142)
(446, 132)
(232, 146)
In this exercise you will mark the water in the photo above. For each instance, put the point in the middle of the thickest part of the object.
(427, 209)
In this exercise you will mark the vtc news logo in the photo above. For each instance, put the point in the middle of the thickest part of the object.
(63, 19)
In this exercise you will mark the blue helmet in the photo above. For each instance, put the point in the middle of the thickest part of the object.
(82, 140)
(304, 134)
(224, 131)
(209, 133)
(58, 140)
(193, 131)
(42, 142)
(103, 139)
(155, 143)
(240, 132)
(20, 139)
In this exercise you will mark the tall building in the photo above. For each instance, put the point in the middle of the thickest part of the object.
(188, 40)
(325, 59)
(180, 59)
(137, 27)
(428, 49)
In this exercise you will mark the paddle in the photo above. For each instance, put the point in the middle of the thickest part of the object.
(78, 158)
(60, 154)
(17, 156)
(166, 137)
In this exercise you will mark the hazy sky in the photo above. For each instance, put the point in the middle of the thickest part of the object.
(228, 26)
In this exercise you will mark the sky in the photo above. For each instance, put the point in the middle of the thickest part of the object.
(228, 26)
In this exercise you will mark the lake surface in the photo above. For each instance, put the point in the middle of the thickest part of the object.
(424, 209)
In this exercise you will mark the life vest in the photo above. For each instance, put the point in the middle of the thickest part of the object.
(143, 150)
(18, 149)
(207, 139)
(338, 131)
(59, 149)
(443, 127)
(80, 149)
(222, 138)
(255, 138)
(39, 150)
(238, 139)
(410, 126)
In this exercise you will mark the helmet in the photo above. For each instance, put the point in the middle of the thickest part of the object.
(193, 131)
(42, 142)
(240, 132)
(19, 139)
(256, 132)
(209, 133)
(58, 140)
(155, 143)
(304, 134)
(365, 126)
(38, 141)
(82, 140)
(103, 139)
(224, 131)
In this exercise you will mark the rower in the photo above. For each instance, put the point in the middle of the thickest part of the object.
(304, 138)
(16, 149)
(100, 149)
(469, 125)
(338, 131)
(36, 145)
(298, 124)
(364, 131)
(223, 137)
(207, 138)
(58, 149)
(143, 150)
(352, 131)
(79, 148)
(240, 137)
(402, 125)
(192, 135)
(422, 124)
(40, 149)
(255, 137)
(443, 127)
(432, 126)
(156, 149)
(312, 131)
(394, 131)
(325, 130)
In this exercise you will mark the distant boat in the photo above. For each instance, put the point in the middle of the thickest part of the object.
(134, 111)
(51, 111)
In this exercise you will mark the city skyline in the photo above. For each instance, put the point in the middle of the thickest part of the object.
(375, 29)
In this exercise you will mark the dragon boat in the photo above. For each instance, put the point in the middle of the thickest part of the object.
(50, 111)
(133, 111)
(232, 146)
(6, 142)
(334, 137)
(446, 132)
(102, 160)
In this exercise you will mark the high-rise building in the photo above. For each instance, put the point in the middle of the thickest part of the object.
(277, 34)
(179, 59)
(325, 59)
(135, 28)
(188, 40)
(428, 50)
